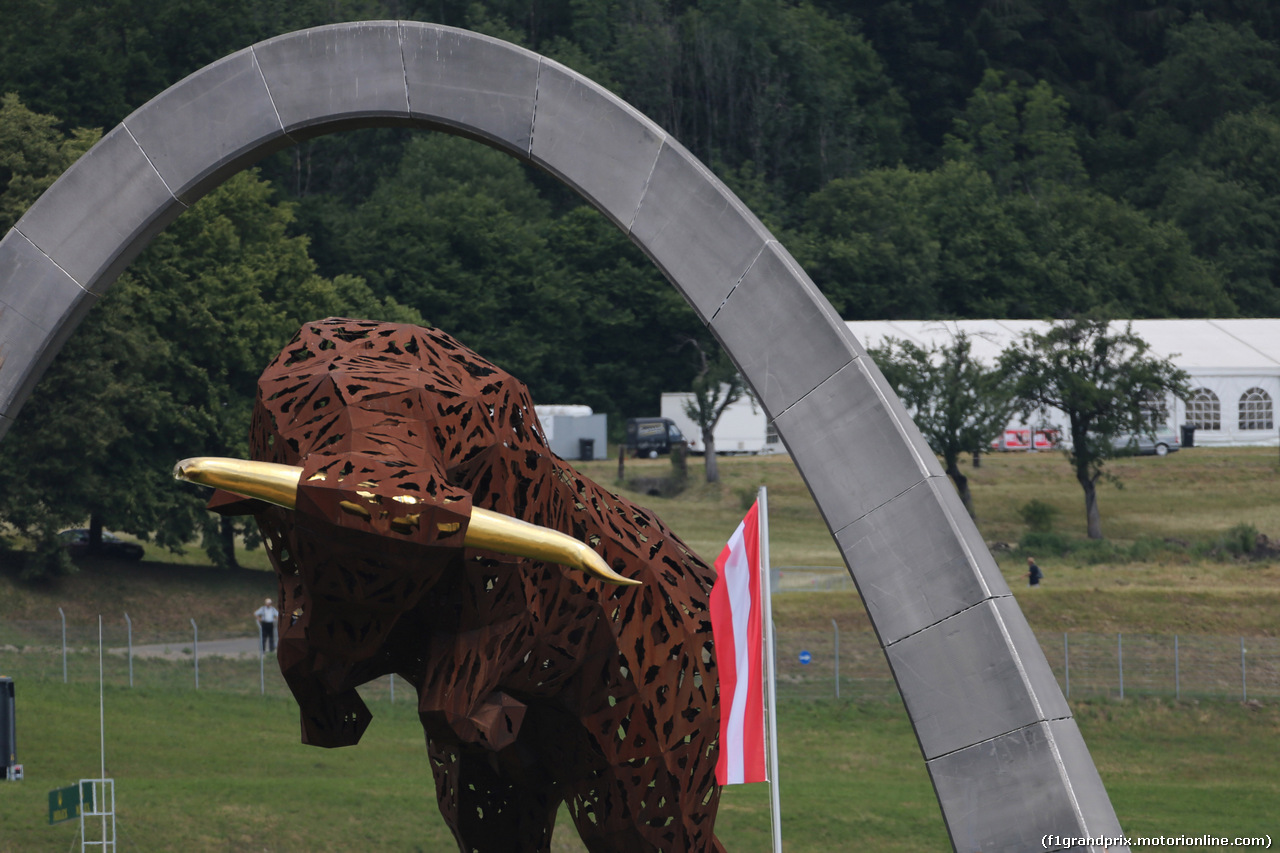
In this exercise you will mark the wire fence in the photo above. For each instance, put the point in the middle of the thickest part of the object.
(1178, 665)
(142, 656)
(812, 663)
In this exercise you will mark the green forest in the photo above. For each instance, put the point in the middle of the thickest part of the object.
(922, 159)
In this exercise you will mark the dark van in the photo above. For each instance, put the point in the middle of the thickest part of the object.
(652, 436)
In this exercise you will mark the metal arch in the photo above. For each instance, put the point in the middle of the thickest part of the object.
(1006, 758)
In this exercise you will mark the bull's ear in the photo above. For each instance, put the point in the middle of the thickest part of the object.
(491, 531)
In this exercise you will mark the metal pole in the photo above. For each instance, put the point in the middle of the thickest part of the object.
(113, 814)
(1066, 662)
(129, 622)
(393, 687)
(836, 629)
(102, 741)
(64, 645)
(262, 667)
(1244, 685)
(1177, 674)
(102, 732)
(195, 650)
(770, 664)
(1120, 658)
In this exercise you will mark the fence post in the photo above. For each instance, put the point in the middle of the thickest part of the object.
(129, 622)
(195, 650)
(64, 645)
(1120, 658)
(262, 667)
(1244, 685)
(1066, 662)
(393, 687)
(1177, 674)
(836, 629)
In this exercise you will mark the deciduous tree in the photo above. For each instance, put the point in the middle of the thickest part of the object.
(1105, 383)
(716, 387)
(33, 153)
(1228, 202)
(166, 367)
(958, 403)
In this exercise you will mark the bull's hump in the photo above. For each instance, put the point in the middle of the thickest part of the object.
(347, 382)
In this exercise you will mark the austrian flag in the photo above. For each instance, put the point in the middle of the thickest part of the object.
(736, 625)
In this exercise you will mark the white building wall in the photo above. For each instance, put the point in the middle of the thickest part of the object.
(1228, 357)
(564, 426)
(1230, 388)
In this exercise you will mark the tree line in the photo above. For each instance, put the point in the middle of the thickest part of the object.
(1104, 381)
(1028, 159)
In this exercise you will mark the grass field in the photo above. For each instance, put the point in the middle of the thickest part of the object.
(1191, 496)
(1194, 494)
(223, 769)
(216, 771)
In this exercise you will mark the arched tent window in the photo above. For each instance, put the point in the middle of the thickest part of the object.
(1204, 409)
(1255, 410)
(1155, 412)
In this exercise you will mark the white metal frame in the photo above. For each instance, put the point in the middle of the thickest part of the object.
(103, 807)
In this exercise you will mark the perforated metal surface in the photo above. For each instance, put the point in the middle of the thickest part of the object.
(536, 683)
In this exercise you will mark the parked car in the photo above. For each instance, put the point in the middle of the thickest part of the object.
(652, 436)
(1161, 444)
(77, 543)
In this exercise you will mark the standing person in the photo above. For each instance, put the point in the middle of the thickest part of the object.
(266, 616)
(1033, 572)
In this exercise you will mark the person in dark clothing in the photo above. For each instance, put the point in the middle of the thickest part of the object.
(1033, 572)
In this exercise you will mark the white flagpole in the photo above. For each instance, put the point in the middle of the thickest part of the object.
(102, 727)
(100, 796)
(771, 694)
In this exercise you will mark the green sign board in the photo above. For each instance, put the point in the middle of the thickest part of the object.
(64, 803)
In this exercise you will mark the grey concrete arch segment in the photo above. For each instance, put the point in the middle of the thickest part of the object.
(1006, 759)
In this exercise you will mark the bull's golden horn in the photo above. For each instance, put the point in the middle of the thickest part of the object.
(266, 481)
(492, 531)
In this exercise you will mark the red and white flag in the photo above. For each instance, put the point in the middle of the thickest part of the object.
(736, 625)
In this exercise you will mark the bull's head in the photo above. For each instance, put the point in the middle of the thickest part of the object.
(363, 436)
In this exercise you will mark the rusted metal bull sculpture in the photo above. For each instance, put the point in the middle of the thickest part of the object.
(404, 475)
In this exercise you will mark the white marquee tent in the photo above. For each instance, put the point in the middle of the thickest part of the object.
(1234, 365)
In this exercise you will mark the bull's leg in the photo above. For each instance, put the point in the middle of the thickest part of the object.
(485, 809)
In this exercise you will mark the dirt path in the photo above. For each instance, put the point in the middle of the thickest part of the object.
(239, 647)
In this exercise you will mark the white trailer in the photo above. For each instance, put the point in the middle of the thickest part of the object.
(574, 432)
(743, 428)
